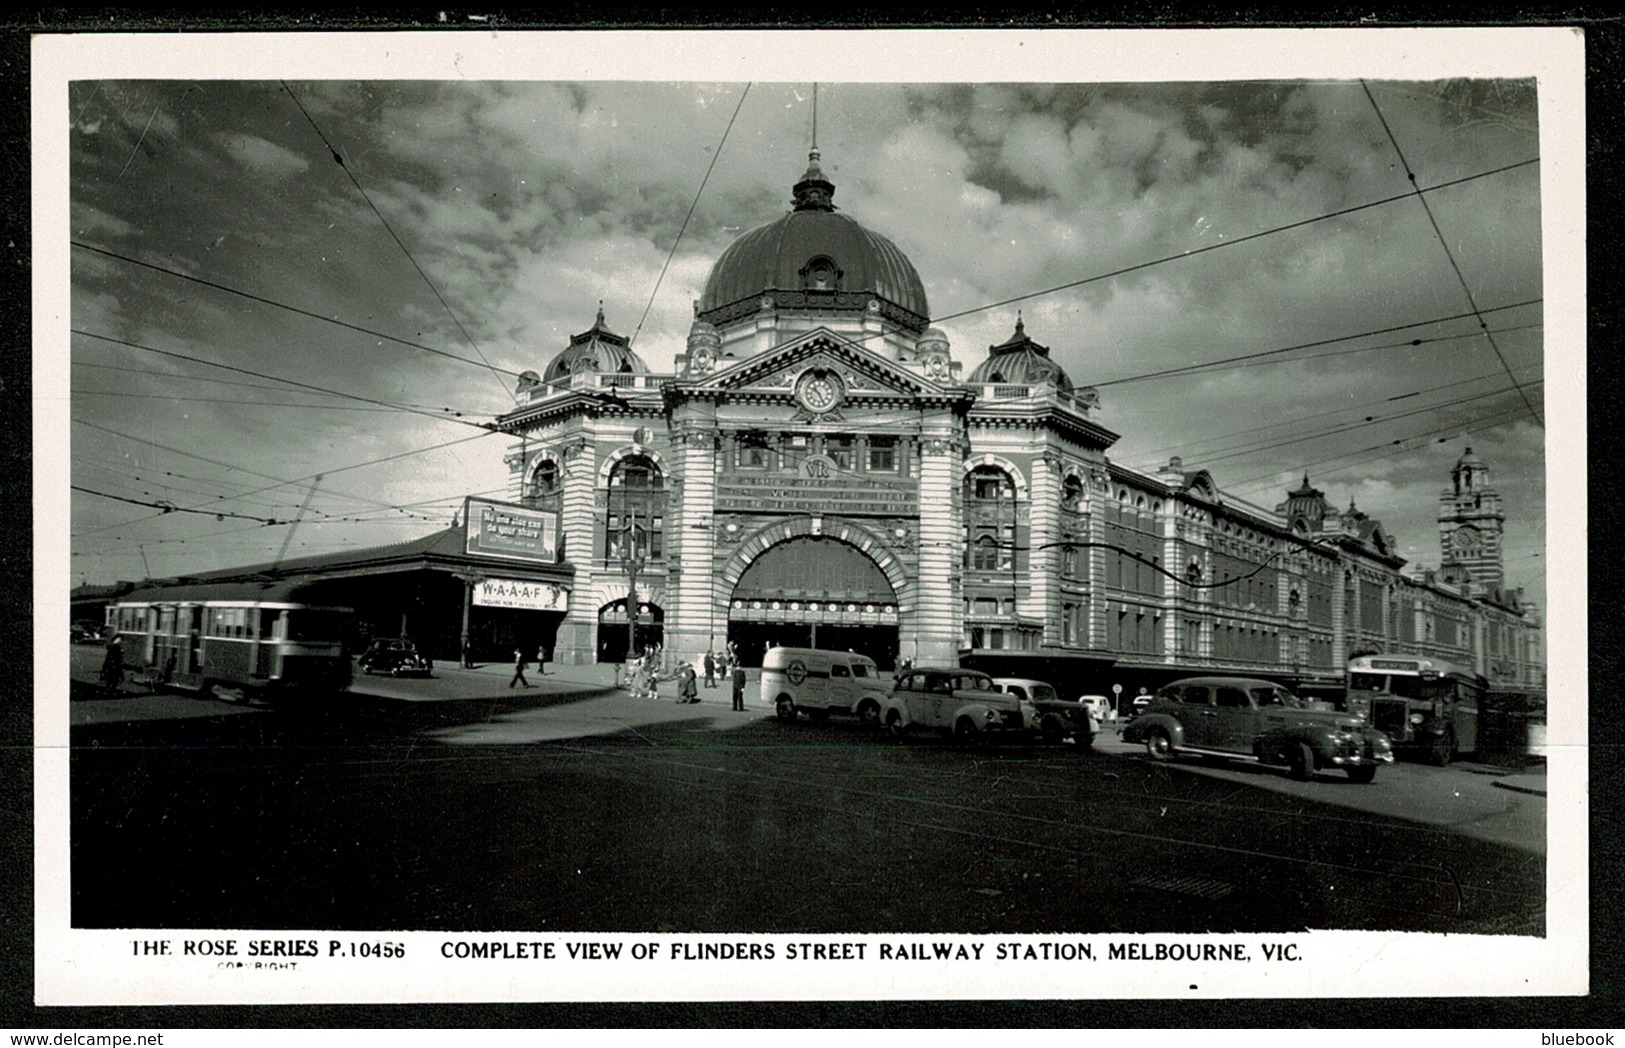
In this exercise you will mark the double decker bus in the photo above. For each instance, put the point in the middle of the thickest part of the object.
(234, 640)
(1425, 706)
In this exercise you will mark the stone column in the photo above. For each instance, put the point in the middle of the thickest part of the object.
(692, 616)
(577, 641)
(935, 619)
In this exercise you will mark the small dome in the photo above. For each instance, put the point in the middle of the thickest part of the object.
(934, 340)
(814, 258)
(1020, 361)
(596, 349)
(703, 334)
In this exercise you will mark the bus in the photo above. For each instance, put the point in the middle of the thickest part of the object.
(234, 640)
(1425, 706)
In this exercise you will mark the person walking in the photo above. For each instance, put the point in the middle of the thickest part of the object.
(541, 661)
(687, 684)
(739, 687)
(113, 665)
(519, 669)
(710, 669)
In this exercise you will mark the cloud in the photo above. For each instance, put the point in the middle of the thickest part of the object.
(264, 158)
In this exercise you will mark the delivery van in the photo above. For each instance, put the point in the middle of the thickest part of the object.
(819, 682)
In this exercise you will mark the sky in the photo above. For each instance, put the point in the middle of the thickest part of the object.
(278, 275)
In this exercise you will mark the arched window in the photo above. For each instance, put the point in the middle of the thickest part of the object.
(1072, 493)
(637, 510)
(543, 490)
(990, 518)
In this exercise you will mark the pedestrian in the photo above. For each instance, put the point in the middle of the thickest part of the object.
(113, 664)
(710, 669)
(687, 684)
(468, 663)
(739, 687)
(519, 669)
(541, 661)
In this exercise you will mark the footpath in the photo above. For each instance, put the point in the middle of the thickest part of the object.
(575, 687)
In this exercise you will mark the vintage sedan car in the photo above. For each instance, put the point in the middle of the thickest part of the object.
(1058, 719)
(1258, 720)
(963, 703)
(395, 656)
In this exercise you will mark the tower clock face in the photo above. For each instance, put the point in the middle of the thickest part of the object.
(819, 391)
(1467, 538)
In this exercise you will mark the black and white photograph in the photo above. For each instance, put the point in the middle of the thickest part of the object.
(1094, 487)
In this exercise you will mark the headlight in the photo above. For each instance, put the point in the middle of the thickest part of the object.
(1417, 718)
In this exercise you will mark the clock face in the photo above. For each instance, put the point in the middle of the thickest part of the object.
(1467, 537)
(819, 392)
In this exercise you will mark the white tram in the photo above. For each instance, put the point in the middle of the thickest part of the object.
(237, 640)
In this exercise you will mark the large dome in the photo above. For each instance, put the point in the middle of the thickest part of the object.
(815, 259)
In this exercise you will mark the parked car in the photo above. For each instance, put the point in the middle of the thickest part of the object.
(1099, 705)
(1058, 719)
(963, 703)
(819, 682)
(1138, 706)
(1259, 720)
(84, 632)
(395, 656)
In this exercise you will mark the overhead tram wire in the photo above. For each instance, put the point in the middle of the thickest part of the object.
(1271, 445)
(715, 156)
(488, 427)
(278, 387)
(1233, 241)
(1150, 458)
(262, 300)
(280, 483)
(1246, 358)
(1445, 244)
(339, 159)
(1376, 452)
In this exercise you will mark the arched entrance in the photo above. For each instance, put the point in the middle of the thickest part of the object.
(614, 631)
(815, 592)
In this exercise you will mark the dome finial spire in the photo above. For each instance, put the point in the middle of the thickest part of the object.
(814, 192)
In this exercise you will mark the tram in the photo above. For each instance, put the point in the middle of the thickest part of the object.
(235, 640)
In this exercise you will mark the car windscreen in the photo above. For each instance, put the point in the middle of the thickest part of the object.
(1044, 693)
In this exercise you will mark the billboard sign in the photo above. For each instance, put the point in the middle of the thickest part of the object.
(500, 529)
(517, 593)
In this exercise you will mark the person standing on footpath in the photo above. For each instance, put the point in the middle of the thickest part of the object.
(739, 687)
(710, 669)
(113, 664)
(541, 661)
(519, 669)
(688, 684)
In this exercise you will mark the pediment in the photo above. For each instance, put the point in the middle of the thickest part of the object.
(859, 371)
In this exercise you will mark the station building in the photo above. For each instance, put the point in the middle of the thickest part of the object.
(822, 470)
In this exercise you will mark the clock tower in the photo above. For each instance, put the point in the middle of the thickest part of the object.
(1470, 523)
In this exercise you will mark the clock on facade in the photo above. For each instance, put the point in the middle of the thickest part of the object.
(819, 391)
(1467, 538)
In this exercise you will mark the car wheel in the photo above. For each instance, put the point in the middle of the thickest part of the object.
(895, 726)
(1158, 746)
(1363, 773)
(869, 714)
(785, 708)
(1442, 749)
(1302, 762)
(967, 732)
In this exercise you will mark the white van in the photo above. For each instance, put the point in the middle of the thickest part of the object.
(820, 682)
